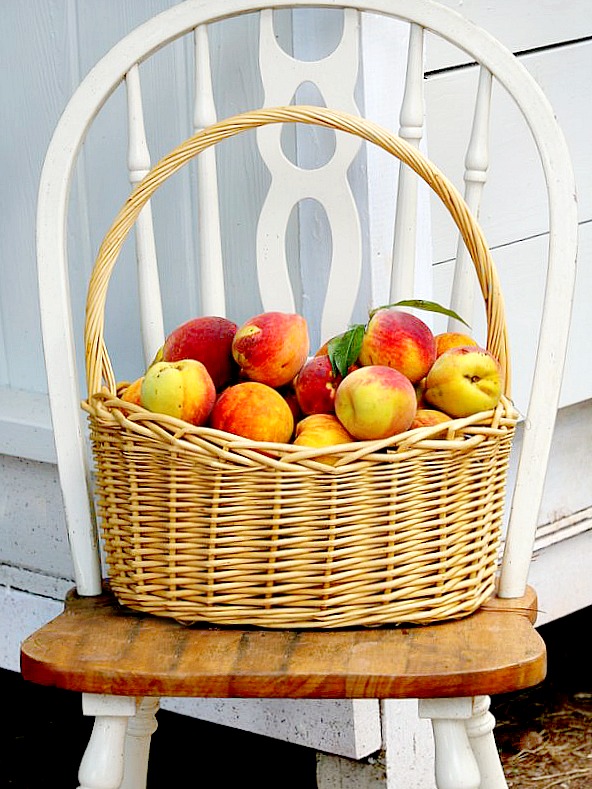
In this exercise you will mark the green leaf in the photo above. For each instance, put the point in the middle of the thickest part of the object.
(344, 349)
(422, 304)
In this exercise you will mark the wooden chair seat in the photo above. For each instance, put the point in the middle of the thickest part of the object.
(98, 646)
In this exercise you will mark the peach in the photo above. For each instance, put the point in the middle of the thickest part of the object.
(132, 392)
(322, 430)
(271, 348)
(452, 339)
(289, 394)
(315, 386)
(182, 389)
(208, 339)
(400, 340)
(426, 417)
(253, 410)
(375, 402)
(464, 381)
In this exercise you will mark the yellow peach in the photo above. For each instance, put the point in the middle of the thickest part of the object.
(181, 389)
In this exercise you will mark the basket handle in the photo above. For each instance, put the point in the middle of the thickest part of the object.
(98, 365)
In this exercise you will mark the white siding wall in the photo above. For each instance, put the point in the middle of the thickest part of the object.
(47, 47)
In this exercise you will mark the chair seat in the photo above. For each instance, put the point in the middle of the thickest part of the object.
(97, 646)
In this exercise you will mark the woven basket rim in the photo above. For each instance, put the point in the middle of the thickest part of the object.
(461, 434)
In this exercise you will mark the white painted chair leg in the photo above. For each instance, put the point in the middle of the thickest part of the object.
(140, 729)
(480, 730)
(103, 760)
(455, 763)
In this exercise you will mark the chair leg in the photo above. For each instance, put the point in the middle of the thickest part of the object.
(102, 765)
(480, 730)
(140, 729)
(455, 764)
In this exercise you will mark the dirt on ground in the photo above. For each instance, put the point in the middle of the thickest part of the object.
(545, 734)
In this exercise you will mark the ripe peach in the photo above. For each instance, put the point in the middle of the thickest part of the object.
(271, 348)
(322, 430)
(315, 386)
(426, 417)
(182, 389)
(452, 339)
(399, 340)
(375, 401)
(208, 339)
(289, 394)
(464, 381)
(131, 393)
(253, 410)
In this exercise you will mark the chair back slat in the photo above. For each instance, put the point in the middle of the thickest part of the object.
(211, 270)
(138, 162)
(411, 120)
(335, 78)
(476, 164)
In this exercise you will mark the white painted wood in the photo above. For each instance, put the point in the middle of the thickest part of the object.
(25, 425)
(335, 77)
(138, 163)
(102, 765)
(464, 285)
(508, 216)
(140, 728)
(519, 24)
(480, 731)
(209, 233)
(455, 763)
(411, 129)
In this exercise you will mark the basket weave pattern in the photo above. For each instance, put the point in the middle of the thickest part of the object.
(201, 525)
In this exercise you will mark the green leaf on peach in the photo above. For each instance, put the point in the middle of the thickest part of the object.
(422, 304)
(344, 349)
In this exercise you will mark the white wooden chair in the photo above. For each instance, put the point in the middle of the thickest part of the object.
(506, 653)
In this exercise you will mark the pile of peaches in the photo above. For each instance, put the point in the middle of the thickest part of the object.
(373, 381)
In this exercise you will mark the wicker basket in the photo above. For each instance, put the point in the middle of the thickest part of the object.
(202, 526)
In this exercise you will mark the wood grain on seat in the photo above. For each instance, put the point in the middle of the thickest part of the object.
(96, 646)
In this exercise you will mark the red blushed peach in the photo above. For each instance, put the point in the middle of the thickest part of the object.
(400, 340)
(181, 389)
(322, 430)
(253, 410)
(271, 348)
(207, 339)
(289, 394)
(315, 386)
(452, 339)
(426, 417)
(375, 402)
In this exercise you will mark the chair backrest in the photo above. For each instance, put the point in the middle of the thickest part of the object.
(275, 260)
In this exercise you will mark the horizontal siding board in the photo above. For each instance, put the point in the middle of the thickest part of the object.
(519, 24)
(509, 214)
